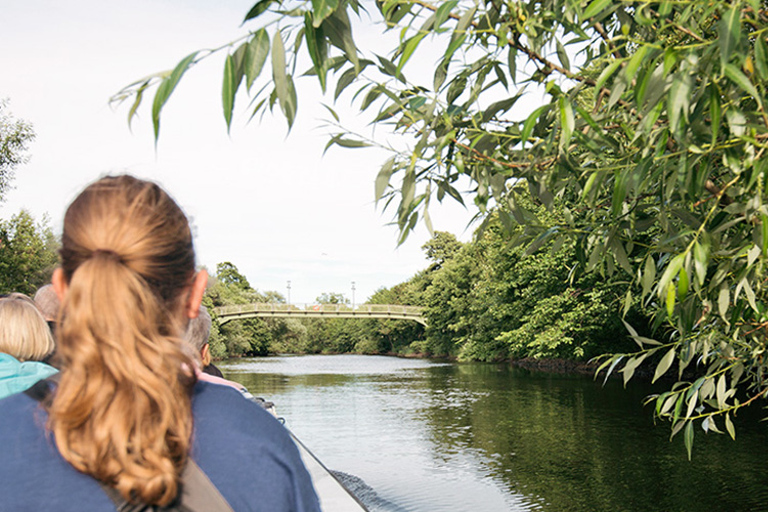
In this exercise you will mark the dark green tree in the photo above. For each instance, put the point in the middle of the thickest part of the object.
(440, 248)
(15, 136)
(492, 300)
(448, 305)
(252, 336)
(385, 336)
(27, 248)
(332, 298)
(331, 335)
(228, 274)
(28, 254)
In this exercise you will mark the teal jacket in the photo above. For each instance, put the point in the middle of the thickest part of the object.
(16, 377)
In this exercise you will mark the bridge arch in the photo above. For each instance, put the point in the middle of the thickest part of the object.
(276, 310)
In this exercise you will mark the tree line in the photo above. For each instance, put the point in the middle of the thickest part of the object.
(28, 247)
(486, 300)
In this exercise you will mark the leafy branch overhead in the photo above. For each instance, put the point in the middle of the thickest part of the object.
(652, 133)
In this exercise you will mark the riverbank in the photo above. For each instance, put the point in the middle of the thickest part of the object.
(556, 365)
(563, 366)
(528, 363)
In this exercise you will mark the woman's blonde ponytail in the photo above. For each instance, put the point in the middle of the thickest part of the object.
(122, 411)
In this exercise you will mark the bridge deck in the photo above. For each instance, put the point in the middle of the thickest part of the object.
(393, 311)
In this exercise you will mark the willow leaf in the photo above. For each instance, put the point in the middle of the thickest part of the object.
(166, 88)
(321, 9)
(729, 30)
(664, 364)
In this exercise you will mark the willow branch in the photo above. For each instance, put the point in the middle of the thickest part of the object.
(543, 61)
(601, 30)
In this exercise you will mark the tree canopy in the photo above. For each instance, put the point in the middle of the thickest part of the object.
(28, 249)
(228, 274)
(252, 336)
(331, 298)
(652, 134)
(15, 135)
(28, 253)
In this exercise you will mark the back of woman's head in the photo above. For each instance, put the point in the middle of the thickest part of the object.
(122, 411)
(135, 223)
(24, 334)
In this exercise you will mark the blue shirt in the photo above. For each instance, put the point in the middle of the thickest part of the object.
(16, 376)
(247, 454)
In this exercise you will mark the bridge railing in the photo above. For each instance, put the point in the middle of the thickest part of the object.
(358, 309)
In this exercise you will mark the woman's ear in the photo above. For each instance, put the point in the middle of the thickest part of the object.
(59, 283)
(196, 292)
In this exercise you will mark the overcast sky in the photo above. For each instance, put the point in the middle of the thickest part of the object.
(269, 202)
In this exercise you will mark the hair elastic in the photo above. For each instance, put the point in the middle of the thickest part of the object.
(109, 253)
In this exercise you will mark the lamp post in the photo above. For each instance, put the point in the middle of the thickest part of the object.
(353, 295)
(289, 293)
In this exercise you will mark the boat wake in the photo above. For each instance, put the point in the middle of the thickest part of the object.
(366, 494)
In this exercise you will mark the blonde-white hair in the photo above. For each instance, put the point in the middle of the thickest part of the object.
(24, 333)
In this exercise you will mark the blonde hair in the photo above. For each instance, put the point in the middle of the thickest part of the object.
(24, 334)
(122, 412)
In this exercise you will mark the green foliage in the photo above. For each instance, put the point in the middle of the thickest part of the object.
(15, 135)
(253, 336)
(440, 248)
(486, 300)
(28, 253)
(332, 298)
(332, 335)
(216, 343)
(394, 336)
(292, 339)
(228, 274)
(492, 301)
(28, 249)
(449, 313)
(652, 135)
(572, 324)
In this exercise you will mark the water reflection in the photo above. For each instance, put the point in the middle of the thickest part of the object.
(444, 437)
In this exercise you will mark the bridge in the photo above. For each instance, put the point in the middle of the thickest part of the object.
(276, 310)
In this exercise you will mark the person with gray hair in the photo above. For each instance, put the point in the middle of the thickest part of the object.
(198, 332)
(47, 302)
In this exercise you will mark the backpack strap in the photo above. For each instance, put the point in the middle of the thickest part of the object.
(198, 493)
(120, 504)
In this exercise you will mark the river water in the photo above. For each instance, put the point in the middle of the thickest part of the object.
(426, 436)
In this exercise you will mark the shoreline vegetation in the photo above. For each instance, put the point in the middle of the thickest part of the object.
(484, 301)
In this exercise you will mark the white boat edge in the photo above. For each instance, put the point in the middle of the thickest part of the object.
(334, 497)
(332, 494)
